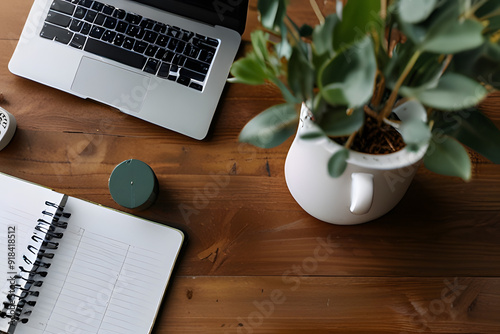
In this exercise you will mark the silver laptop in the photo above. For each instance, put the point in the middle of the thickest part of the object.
(163, 61)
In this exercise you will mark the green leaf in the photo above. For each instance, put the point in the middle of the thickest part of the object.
(322, 37)
(336, 122)
(453, 92)
(446, 12)
(448, 157)
(248, 70)
(271, 127)
(272, 13)
(359, 18)
(453, 38)
(348, 78)
(416, 133)
(259, 45)
(338, 162)
(471, 128)
(482, 64)
(415, 11)
(444, 30)
(312, 135)
(300, 74)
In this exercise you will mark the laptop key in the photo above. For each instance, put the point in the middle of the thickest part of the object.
(98, 6)
(56, 33)
(78, 41)
(196, 86)
(128, 43)
(151, 66)
(196, 66)
(160, 53)
(119, 14)
(58, 19)
(135, 31)
(96, 32)
(147, 24)
(108, 36)
(110, 22)
(192, 74)
(99, 20)
(80, 12)
(162, 41)
(150, 36)
(121, 26)
(108, 9)
(168, 56)
(164, 70)
(63, 7)
(86, 3)
(206, 56)
(140, 46)
(212, 42)
(151, 51)
(133, 18)
(90, 16)
(115, 53)
(76, 25)
(86, 28)
(160, 28)
(119, 39)
(179, 60)
(184, 81)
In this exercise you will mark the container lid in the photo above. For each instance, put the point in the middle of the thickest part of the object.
(133, 184)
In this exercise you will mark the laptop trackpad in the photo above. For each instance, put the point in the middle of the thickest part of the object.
(110, 84)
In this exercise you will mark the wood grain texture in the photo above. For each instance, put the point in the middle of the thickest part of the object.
(246, 235)
(300, 304)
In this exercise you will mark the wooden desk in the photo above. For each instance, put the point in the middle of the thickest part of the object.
(254, 261)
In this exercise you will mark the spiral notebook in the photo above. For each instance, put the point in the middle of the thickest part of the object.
(76, 267)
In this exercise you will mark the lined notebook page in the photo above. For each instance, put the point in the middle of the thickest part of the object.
(108, 276)
(99, 285)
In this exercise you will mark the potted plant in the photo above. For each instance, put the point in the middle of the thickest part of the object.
(371, 91)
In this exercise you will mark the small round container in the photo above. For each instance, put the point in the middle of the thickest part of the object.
(133, 184)
(8, 127)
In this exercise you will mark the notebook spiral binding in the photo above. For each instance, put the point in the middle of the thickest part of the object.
(36, 261)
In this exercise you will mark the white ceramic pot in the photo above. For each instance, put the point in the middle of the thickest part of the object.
(370, 186)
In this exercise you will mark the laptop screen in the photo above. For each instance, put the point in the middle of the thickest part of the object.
(228, 13)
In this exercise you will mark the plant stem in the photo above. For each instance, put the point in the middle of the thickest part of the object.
(317, 11)
(394, 94)
(490, 15)
(383, 9)
(350, 140)
(473, 9)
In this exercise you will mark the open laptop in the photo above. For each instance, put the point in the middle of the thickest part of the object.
(163, 61)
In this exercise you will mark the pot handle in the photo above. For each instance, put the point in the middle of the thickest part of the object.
(361, 193)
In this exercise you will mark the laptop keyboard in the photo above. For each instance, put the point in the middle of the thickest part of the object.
(166, 51)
